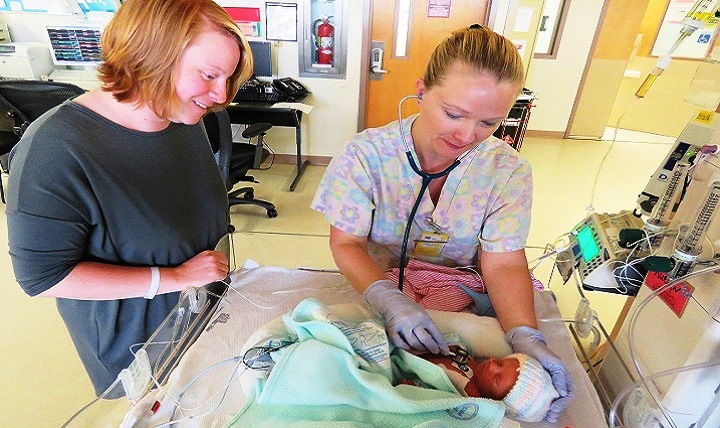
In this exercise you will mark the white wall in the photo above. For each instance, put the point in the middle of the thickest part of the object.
(557, 81)
(30, 27)
(333, 119)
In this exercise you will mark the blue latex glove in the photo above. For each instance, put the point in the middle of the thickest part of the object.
(527, 340)
(407, 323)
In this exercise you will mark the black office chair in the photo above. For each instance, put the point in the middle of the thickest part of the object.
(236, 159)
(25, 101)
(8, 139)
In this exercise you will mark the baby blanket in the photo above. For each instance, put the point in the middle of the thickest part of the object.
(323, 380)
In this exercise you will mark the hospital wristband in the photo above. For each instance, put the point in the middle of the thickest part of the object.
(154, 282)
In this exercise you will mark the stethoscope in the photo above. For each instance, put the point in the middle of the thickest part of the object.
(426, 179)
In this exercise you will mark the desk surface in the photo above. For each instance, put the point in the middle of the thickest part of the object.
(262, 105)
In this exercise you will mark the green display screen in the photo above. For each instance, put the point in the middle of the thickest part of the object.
(588, 246)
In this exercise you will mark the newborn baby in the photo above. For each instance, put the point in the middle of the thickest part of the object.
(518, 380)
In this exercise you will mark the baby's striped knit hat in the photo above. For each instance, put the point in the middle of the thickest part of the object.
(530, 398)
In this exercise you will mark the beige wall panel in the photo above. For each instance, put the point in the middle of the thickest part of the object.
(650, 24)
(516, 18)
(617, 36)
(597, 102)
(556, 80)
(663, 111)
(613, 45)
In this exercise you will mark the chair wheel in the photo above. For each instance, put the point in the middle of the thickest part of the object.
(272, 213)
(249, 195)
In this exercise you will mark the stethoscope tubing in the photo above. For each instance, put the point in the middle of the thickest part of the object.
(426, 179)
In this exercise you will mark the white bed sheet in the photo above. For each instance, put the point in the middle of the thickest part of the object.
(261, 295)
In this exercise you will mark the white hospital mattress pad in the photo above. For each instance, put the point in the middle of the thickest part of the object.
(205, 382)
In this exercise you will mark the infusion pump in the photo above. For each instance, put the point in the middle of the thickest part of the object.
(699, 131)
(595, 250)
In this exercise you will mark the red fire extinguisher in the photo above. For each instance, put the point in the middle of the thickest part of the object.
(325, 34)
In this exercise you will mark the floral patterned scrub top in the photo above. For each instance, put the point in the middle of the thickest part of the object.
(369, 190)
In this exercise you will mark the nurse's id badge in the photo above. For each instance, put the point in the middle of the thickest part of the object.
(430, 244)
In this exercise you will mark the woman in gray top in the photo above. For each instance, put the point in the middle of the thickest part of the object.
(115, 201)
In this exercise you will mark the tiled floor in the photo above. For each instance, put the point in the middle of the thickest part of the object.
(44, 382)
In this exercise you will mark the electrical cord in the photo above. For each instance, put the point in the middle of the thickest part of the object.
(553, 250)
(176, 401)
(95, 400)
(226, 387)
(590, 207)
(272, 156)
(265, 146)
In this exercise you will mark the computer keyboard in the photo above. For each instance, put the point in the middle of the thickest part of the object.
(259, 92)
(84, 78)
(68, 75)
(268, 97)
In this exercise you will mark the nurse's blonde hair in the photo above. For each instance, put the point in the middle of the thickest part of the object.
(480, 48)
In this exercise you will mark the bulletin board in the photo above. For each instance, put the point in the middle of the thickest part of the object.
(248, 19)
(697, 45)
(249, 15)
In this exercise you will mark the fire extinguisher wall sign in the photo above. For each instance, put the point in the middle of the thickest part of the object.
(325, 36)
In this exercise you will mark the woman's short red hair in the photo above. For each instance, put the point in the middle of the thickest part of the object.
(143, 43)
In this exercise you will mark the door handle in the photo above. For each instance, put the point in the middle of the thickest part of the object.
(376, 62)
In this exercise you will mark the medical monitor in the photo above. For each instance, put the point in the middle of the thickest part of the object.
(75, 45)
(588, 246)
(262, 58)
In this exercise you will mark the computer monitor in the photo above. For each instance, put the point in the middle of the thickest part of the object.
(262, 57)
(75, 45)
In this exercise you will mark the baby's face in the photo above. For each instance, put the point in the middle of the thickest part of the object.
(495, 378)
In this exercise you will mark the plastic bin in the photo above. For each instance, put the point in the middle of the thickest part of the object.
(512, 129)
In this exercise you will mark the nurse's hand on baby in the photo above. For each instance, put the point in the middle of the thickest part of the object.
(518, 380)
(530, 341)
(203, 268)
(408, 325)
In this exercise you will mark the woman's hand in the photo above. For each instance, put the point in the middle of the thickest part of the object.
(527, 340)
(407, 323)
(204, 268)
(104, 281)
